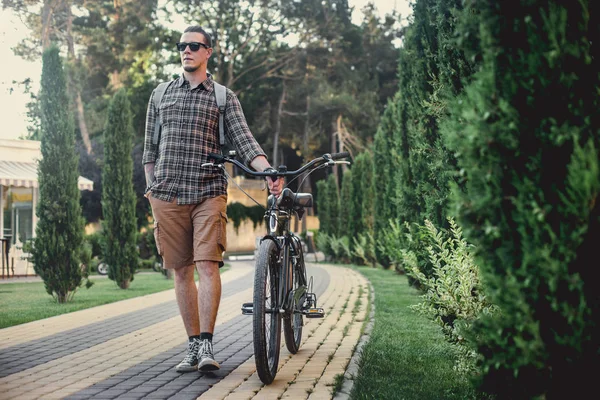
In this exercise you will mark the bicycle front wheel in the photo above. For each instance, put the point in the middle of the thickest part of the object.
(265, 315)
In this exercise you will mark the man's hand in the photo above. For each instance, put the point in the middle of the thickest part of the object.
(275, 186)
(260, 163)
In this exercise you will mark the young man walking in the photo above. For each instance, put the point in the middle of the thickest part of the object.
(189, 202)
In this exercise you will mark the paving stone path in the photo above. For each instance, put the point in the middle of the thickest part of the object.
(128, 349)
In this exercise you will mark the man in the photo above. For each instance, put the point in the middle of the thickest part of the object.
(189, 202)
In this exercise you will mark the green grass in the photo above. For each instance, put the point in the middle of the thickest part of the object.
(26, 302)
(407, 356)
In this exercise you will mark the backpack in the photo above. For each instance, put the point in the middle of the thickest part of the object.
(221, 97)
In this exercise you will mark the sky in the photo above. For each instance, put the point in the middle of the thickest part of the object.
(13, 117)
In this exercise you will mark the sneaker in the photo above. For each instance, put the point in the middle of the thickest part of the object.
(205, 355)
(190, 362)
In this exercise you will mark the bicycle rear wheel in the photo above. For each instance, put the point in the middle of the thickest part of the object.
(293, 323)
(265, 316)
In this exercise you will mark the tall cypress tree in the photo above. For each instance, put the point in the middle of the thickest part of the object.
(346, 196)
(528, 137)
(334, 205)
(324, 206)
(118, 197)
(59, 232)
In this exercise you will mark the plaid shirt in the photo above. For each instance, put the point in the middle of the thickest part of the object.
(190, 130)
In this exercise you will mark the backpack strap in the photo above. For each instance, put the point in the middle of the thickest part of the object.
(158, 94)
(221, 96)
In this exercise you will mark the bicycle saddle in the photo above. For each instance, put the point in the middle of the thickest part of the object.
(289, 199)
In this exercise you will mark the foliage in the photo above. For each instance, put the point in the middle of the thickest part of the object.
(328, 201)
(334, 209)
(94, 240)
(454, 297)
(335, 248)
(346, 201)
(237, 212)
(118, 200)
(57, 251)
(322, 241)
(364, 249)
(390, 244)
(526, 131)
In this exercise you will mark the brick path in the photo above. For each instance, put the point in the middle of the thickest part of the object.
(128, 349)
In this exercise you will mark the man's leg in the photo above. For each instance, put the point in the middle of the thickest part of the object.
(209, 294)
(187, 294)
(209, 297)
(187, 299)
(210, 227)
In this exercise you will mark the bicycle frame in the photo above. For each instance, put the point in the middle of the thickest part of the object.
(278, 222)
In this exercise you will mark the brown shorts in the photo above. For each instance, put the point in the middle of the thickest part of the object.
(188, 233)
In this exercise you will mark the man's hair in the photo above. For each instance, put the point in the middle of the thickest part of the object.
(198, 29)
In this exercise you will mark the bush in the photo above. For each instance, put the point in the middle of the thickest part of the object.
(118, 197)
(146, 244)
(364, 249)
(526, 132)
(454, 296)
(59, 231)
(94, 240)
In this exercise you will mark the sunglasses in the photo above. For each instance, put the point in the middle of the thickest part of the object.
(194, 46)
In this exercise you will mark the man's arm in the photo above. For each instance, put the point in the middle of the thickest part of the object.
(149, 155)
(260, 163)
(150, 178)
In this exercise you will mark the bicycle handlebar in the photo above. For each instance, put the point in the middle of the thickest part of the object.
(325, 158)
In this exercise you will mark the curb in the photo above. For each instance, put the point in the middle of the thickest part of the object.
(352, 368)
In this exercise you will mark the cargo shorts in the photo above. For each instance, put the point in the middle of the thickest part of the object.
(188, 233)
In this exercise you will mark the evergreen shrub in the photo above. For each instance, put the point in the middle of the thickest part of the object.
(454, 297)
(118, 198)
(56, 253)
(527, 136)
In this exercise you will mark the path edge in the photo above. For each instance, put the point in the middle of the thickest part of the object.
(352, 368)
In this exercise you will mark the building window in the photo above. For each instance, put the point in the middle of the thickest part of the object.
(18, 213)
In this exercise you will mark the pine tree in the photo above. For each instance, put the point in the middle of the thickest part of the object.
(118, 198)
(323, 204)
(59, 232)
(346, 196)
(334, 205)
(527, 132)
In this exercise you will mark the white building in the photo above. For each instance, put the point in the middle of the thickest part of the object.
(18, 199)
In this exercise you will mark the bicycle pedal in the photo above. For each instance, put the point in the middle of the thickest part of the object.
(314, 312)
(247, 308)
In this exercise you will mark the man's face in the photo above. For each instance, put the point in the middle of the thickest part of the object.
(192, 60)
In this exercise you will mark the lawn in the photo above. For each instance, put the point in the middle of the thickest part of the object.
(406, 356)
(26, 302)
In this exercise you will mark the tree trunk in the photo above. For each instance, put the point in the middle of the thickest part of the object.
(74, 89)
(334, 134)
(306, 181)
(47, 14)
(277, 132)
(341, 134)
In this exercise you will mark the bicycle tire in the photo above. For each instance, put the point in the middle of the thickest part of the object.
(292, 324)
(266, 326)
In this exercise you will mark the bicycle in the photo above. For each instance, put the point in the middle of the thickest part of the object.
(282, 293)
